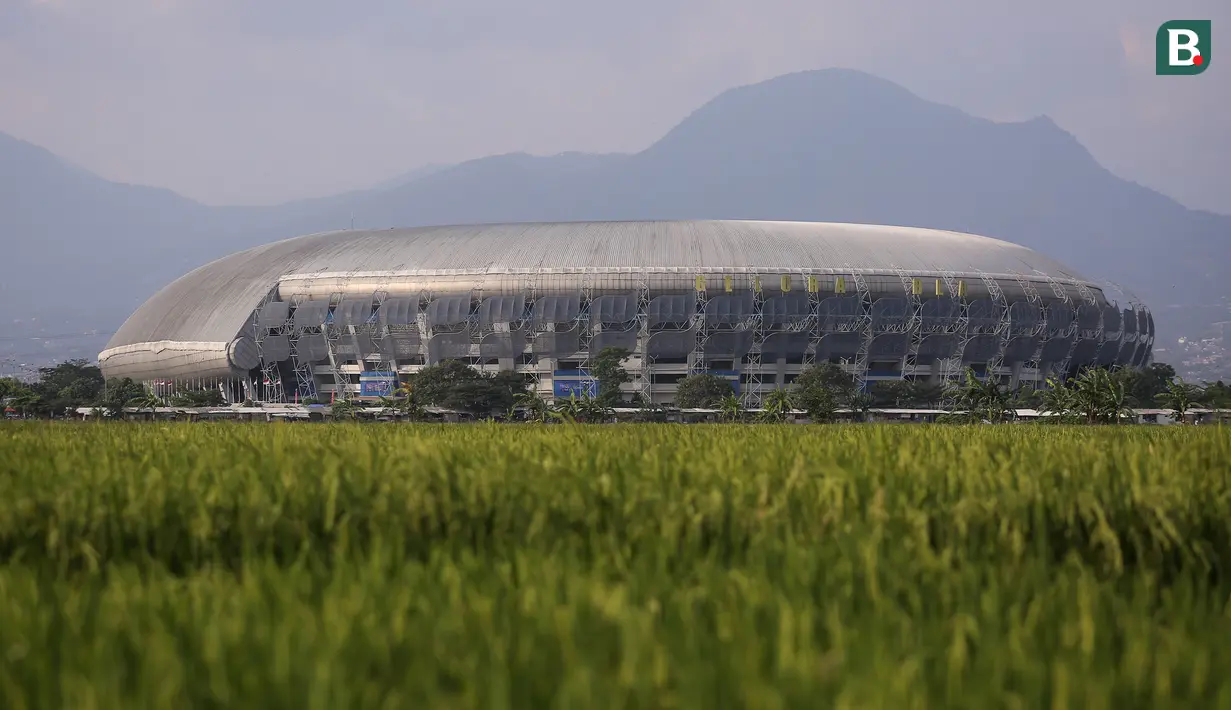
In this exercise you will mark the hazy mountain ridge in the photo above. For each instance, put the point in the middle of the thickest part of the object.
(411, 175)
(833, 145)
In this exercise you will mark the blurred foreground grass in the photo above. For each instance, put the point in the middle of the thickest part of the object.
(653, 566)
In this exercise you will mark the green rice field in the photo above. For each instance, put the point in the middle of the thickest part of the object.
(306, 566)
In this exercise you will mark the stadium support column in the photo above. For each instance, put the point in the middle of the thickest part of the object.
(380, 334)
(1101, 330)
(340, 380)
(1149, 342)
(812, 324)
(424, 324)
(913, 287)
(305, 382)
(700, 330)
(951, 366)
(1002, 327)
(1145, 339)
(271, 379)
(1074, 337)
(864, 329)
(1130, 337)
(529, 287)
(1143, 335)
(756, 323)
(586, 320)
(644, 378)
(1087, 297)
(1136, 337)
(1037, 331)
(1070, 330)
(954, 371)
(475, 326)
(271, 372)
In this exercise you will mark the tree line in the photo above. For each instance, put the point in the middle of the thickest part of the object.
(822, 391)
(76, 383)
(1096, 395)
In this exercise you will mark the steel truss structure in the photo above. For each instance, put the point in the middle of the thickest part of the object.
(270, 322)
(761, 328)
(349, 313)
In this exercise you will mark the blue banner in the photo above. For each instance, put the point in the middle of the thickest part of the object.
(378, 384)
(580, 388)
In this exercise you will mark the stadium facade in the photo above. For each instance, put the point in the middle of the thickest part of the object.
(345, 313)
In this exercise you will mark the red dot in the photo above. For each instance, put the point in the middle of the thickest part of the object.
(1197, 60)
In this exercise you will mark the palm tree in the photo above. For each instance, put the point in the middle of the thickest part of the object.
(777, 406)
(1179, 397)
(148, 401)
(568, 410)
(1059, 399)
(1116, 400)
(535, 407)
(344, 409)
(594, 410)
(407, 404)
(731, 409)
(984, 398)
(860, 403)
(1099, 397)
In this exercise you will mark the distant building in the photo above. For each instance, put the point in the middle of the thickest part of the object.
(754, 302)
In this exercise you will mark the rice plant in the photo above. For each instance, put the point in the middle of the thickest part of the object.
(626, 566)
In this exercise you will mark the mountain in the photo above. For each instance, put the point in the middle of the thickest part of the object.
(841, 145)
(410, 176)
(82, 248)
(510, 187)
(833, 145)
(79, 253)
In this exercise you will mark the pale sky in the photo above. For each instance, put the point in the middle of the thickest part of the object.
(258, 101)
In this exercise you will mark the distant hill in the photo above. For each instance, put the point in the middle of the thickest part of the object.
(411, 175)
(834, 145)
(78, 249)
(845, 146)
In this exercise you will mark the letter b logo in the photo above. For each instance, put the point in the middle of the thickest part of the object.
(1182, 47)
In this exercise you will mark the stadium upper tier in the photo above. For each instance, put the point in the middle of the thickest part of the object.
(458, 286)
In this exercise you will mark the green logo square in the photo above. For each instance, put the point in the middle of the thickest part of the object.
(1182, 47)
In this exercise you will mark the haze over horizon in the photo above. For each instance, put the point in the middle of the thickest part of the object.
(242, 104)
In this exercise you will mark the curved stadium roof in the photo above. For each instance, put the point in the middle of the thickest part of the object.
(212, 303)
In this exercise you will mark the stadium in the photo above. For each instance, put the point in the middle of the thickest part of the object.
(344, 314)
